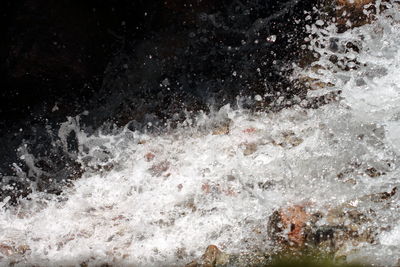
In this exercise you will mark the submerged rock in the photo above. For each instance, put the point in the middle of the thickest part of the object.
(13, 252)
(213, 257)
(286, 226)
(221, 129)
(250, 149)
(355, 13)
(345, 15)
(297, 227)
(299, 230)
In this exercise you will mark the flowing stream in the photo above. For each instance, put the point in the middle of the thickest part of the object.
(161, 198)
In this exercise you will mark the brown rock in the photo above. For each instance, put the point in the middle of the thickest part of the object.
(149, 156)
(250, 149)
(23, 248)
(294, 228)
(192, 264)
(118, 218)
(346, 14)
(350, 14)
(6, 250)
(223, 129)
(289, 139)
(158, 169)
(212, 257)
(354, 3)
(372, 172)
(206, 188)
(209, 258)
(249, 130)
(218, 189)
(291, 220)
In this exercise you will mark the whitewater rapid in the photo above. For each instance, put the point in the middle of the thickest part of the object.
(160, 199)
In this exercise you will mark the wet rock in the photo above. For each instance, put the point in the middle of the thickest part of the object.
(149, 156)
(222, 128)
(230, 178)
(213, 257)
(380, 197)
(331, 230)
(354, 13)
(372, 172)
(287, 139)
(250, 149)
(159, 168)
(179, 186)
(250, 130)
(206, 188)
(187, 206)
(6, 250)
(354, 3)
(217, 189)
(13, 250)
(346, 14)
(314, 83)
(316, 102)
(287, 226)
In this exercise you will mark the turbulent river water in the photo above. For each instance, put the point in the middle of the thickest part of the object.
(150, 199)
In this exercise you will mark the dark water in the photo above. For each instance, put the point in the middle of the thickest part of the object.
(132, 62)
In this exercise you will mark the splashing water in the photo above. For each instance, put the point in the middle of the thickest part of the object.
(150, 199)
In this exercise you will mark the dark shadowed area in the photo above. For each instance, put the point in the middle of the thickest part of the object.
(132, 62)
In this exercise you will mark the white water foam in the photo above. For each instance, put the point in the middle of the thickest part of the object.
(161, 199)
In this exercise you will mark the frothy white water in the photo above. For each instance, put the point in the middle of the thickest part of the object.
(161, 199)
